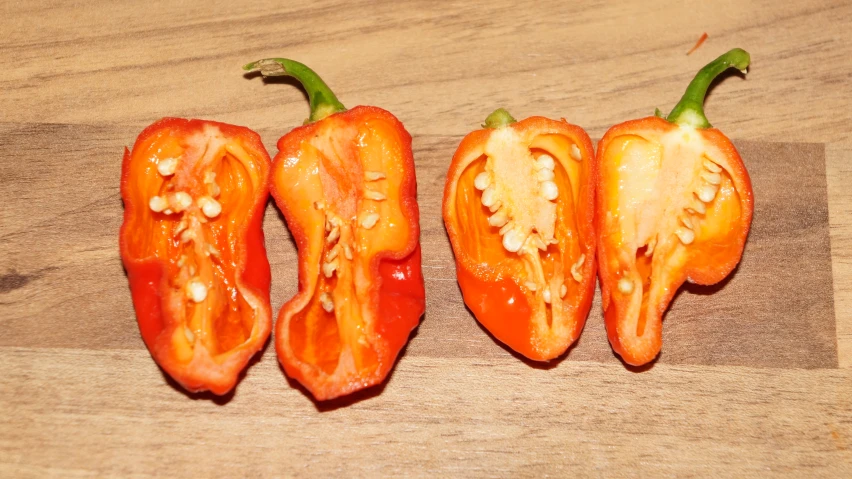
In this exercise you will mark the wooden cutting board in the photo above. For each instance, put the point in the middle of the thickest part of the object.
(755, 377)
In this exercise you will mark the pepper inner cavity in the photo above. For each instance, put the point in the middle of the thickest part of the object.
(190, 199)
(518, 187)
(662, 204)
(671, 196)
(519, 190)
(340, 262)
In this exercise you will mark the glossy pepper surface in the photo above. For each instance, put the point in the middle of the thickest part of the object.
(346, 185)
(674, 204)
(194, 193)
(518, 207)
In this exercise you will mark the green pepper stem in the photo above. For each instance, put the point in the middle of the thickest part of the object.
(323, 101)
(497, 118)
(690, 108)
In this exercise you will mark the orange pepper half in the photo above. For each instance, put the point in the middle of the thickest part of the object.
(518, 207)
(194, 193)
(674, 204)
(346, 185)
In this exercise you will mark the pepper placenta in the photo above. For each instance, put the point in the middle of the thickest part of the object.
(345, 182)
(194, 192)
(674, 204)
(519, 208)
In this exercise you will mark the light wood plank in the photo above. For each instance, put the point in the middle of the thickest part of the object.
(839, 174)
(110, 413)
(440, 67)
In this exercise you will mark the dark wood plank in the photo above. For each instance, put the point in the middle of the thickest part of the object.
(775, 311)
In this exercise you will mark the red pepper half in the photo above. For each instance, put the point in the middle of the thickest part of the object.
(194, 193)
(346, 185)
(674, 204)
(519, 209)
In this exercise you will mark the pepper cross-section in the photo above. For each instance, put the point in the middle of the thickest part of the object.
(346, 185)
(518, 207)
(674, 204)
(194, 193)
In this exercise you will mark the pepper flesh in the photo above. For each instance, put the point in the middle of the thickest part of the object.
(674, 204)
(346, 185)
(194, 192)
(518, 206)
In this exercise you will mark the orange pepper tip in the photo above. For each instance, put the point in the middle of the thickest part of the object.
(698, 44)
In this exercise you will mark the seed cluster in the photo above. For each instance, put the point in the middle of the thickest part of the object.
(188, 229)
(685, 231)
(337, 240)
(333, 223)
(522, 233)
(711, 179)
(514, 237)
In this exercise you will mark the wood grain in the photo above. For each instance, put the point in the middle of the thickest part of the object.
(581, 418)
(761, 395)
(776, 310)
(839, 177)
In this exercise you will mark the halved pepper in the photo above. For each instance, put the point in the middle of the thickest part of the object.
(674, 204)
(519, 208)
(194, 192)
(345, 182)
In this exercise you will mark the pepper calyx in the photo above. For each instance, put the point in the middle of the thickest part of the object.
(498, 118)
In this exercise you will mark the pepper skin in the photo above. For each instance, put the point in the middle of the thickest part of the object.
(346, 185)
(518, 207)
(674, 204)
(194, 192)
